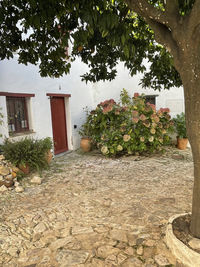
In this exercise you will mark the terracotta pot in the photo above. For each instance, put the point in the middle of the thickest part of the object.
(86, 144)
(182, 143)
(25, 168)
(48, 156)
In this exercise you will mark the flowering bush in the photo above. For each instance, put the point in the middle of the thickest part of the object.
(128, 127)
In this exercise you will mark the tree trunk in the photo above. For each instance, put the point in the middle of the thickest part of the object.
(192, 109)
(190, 74)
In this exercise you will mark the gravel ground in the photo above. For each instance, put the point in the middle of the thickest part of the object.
(92, 211)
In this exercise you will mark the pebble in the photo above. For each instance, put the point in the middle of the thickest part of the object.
(119, 235)
(140, 250)
(19, 189)
(161, 260)
(39, 228)
(149, 243)
(36, 180)
(16, 184)
(4, 170)
(3, 188)
(194, 243)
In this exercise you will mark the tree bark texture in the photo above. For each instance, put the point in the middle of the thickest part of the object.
(190, 74)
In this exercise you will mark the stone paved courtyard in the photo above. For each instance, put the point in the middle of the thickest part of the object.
(92, 211)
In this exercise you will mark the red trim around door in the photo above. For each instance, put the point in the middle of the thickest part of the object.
(59, 95)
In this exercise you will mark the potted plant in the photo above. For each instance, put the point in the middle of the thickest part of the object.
(27, 154)
(85, 143)
(180, 127)
(46, 147)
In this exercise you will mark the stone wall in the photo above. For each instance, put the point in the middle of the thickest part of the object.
(8, 174)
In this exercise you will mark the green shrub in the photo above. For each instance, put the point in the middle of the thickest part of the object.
(180, 126)
(128, 127)
(27, 151)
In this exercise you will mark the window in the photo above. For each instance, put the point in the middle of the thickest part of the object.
(151, 99)
(17, 114)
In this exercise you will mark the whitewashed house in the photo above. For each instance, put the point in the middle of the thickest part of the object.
(41, 107)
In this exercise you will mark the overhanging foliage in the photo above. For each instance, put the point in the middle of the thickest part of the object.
(102, 33)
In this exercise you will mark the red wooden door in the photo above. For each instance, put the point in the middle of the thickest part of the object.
(59, 124)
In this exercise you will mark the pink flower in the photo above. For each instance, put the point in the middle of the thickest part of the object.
(136, 95)
(159, 113)
(135, 120)
(166, 110)
(107, 109)
(106, 103)
(154, 125)
(146, 123)
(148, 109)
(155, 118)
(142, 117)
(117, 111)
(151, 105)
(135, 113)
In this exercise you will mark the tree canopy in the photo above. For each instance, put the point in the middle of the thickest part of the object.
(101, 32)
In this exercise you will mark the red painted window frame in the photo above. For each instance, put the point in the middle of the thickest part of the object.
(16, 94)
(20, 95)
(13, 98)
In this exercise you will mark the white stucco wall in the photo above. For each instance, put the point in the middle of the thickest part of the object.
(17, 78)
(173, 98)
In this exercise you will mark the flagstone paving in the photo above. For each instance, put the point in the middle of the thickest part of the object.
(92, 211)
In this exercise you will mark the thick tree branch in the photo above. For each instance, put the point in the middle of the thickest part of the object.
(164, 36)
(158, 22)
(144, 9)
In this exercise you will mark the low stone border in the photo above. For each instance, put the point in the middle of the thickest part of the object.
(187, 256)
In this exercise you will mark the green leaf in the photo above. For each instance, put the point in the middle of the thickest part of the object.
(126, 51)
(104, 34)
(123, 39)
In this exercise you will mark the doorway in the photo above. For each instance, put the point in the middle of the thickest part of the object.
(58, 116)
